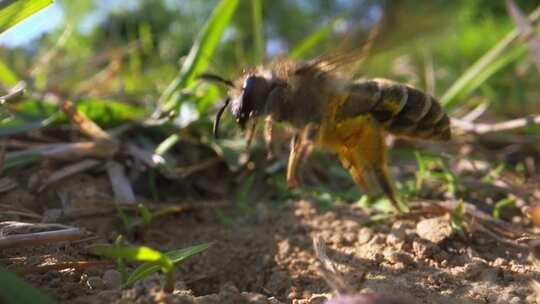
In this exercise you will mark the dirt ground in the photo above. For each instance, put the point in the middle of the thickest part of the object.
(266, 255)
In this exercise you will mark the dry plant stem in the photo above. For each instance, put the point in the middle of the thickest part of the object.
(479, 220)
(68, 171)
(16, 92)
(83, 123)
(109, 208)
(527, 32)
(328, 271)
(40, 238)
(475, 113)
(474, 183)
(69, 151)
(190, 170)
(123, 191)
(65, 265)
(482, 128)
(43, 62)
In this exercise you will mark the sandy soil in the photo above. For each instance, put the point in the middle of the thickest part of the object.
(266, 255)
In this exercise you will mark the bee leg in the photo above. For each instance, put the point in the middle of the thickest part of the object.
(383, 179)
(268, 134)
(250, 135)
(348, 162)
(301, 148)
(294, 157)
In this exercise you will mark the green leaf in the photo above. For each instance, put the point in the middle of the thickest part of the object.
(175, 256)
(14, 11)
(312, 40)
(491, 62)
(167, 144)
(7, 77)
(200, 53)
(504, 203)
(18, 126)
(140, 253)
(15, 290)
(456, 219)
(104, 112)
(19, 161)
(145, 214)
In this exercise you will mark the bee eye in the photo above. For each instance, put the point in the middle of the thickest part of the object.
(251, 102)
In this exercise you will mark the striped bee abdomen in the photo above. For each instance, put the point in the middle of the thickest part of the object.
(401, 109)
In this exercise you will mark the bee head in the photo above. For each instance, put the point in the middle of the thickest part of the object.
(250, 103)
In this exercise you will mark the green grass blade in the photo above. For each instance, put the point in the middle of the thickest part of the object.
(477, 72)
(140, 253)
(312, 40)
(258, 30)
(15, 290)
(17, 161)
(23, 127)
(14, 11)
(7, 77)
(200, 53)
(175, 256)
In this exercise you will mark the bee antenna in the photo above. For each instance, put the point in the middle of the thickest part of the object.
(218, 117)
(216, 78)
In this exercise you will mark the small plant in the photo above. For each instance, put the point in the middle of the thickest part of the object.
(456, 219)
(424, 172)
(509, 202)
(154, 260)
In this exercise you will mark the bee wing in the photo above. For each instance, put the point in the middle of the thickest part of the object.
(347, 61)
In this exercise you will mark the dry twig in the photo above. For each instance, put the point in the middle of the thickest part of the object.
(483, 128)
(40, 238)
(123, 192)
(69, 171)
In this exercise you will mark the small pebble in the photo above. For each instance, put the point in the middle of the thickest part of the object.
(364, 235)
(112, 278)
(436, 229)
(95, 283)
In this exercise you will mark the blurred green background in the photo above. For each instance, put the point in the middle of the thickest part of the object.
(129, 51)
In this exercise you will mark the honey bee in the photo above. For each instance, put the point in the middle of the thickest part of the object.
(327, 107)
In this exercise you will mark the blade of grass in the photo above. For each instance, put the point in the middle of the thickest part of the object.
(199, 55)
(14, 11)
(505, 202)
(7, 77)
(258, 30)
(17, 128)
(175, 256)
(477, 72)
(140, 253)
(312, 40)
(456, 219)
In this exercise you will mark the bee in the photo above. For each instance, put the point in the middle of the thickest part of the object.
(327, 107)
